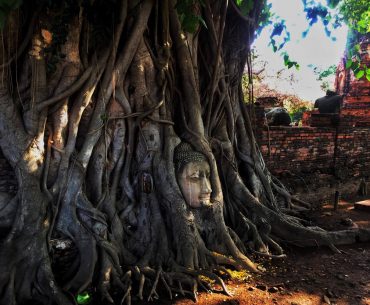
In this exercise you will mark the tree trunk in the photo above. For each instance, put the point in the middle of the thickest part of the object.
(95, 99)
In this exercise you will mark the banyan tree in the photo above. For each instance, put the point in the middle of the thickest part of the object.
(126, 129)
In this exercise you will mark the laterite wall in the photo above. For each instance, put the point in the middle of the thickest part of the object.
(331, 151)
(315, 150)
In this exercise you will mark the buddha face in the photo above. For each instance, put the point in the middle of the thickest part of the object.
(194, 183)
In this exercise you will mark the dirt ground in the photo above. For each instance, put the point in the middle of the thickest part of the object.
(307, 276)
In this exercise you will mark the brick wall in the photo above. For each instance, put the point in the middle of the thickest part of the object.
(356, 114)
(308, 158)
(353, 152)
(330, 147)
(297, 149)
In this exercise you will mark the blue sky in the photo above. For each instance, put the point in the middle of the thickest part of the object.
(316, 49)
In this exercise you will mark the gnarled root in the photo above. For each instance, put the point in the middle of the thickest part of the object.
(24, 258)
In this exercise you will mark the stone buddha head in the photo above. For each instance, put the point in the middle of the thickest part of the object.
(192, 173)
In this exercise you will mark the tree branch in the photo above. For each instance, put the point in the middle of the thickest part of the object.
(122, 65)
(71, 90)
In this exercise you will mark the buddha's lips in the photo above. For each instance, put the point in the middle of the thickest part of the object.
(205, 198)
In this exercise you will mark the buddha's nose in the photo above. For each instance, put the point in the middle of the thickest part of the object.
(206, 186)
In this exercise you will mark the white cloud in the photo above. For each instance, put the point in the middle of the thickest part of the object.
(316, 49)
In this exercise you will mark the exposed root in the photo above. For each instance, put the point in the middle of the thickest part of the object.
(240, 263)
(174, 282)
(204, 285)
(301, 202)
(127, 296)
(211, 276)
(141, 286)
(268, 255)
(109, 278)
(154, 287)
(164, 281)
(274, 245)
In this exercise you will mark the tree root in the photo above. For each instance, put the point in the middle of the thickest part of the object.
(154, 287)
(149, 280)
(211, 276)
(268, 255)
(127, 282)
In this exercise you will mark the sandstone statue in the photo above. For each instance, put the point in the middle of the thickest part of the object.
(193, 172)
(330, 103)
(278, 116)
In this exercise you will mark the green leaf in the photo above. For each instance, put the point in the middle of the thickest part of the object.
(181, 18)
(83, 298)
(181, 7)
(239, 2)
(286, 59)
(368, 77)
(349, 63)
(359, 74)
(188, 18)
(246, 6)
(190, 23)
(355, 65)
(362, 24)
(332, 3)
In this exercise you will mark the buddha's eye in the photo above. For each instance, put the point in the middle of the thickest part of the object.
(194, 176)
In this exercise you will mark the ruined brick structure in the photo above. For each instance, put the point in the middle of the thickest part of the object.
(330, 150)
(356, 103)
(308, 158)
